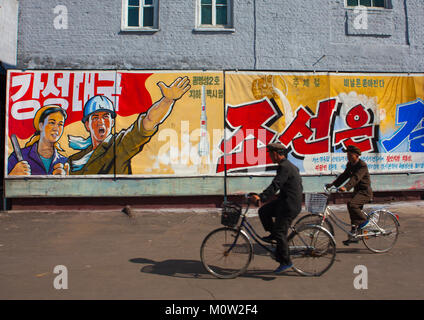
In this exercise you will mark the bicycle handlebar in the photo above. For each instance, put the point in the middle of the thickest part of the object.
(331, 189)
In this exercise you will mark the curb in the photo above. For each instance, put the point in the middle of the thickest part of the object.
(200, 210)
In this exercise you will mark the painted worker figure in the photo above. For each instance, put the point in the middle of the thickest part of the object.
(359, 179)
(97, 155)
(41, 153)
(285, 208)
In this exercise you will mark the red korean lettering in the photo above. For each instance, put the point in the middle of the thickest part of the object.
(359, 134)
(312, 139)
(251, 133)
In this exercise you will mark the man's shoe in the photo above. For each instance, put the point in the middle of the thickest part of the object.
(364, 224)
(352, 238)
(268, 239)
(283, 267)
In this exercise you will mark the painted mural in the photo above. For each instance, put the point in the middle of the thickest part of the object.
(113, 123)
(317, 115)
(169, 123)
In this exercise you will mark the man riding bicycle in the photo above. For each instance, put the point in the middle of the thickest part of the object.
(359, 179)
(285, 208)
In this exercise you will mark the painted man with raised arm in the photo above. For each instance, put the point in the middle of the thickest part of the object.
(97, 152)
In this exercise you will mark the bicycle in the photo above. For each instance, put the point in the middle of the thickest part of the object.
(226, 252)
(379, 236)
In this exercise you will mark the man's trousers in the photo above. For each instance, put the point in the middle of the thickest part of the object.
(279, 228)
(355, 205)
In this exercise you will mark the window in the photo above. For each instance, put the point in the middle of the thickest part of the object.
(140, 15)
(368, 3)
(214, 14)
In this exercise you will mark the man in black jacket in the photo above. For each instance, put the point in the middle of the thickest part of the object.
(359, 179)
(285, 208)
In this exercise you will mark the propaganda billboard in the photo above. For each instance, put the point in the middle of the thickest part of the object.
(317, 115)
(103, 123)
(205, 123)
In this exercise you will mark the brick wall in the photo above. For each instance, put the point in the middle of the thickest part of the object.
(8, 31)
(269, 35)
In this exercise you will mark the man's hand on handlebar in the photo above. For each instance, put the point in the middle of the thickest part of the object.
(329, 187)
(255, 199)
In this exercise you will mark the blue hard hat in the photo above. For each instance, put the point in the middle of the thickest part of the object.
(98, 103)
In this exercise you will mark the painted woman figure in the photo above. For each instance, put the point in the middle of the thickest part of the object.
(40, 155)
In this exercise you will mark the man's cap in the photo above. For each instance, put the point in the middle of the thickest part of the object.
(98, 103)
(277, 147)
(353, 149)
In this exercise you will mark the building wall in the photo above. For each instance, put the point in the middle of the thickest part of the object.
(269, 35)
(290, 35)
(8, 31)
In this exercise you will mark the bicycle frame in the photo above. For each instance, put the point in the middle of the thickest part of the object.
(329, 214)
(250, 230)
(245, 225)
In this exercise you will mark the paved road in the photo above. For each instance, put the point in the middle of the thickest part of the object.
(155, 255)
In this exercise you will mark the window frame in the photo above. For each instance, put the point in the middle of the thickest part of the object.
(124, 19)
(215, 27)
(387, 5)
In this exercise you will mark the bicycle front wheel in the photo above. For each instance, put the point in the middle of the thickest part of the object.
(312, 250)
(380, 235)
(226, 253)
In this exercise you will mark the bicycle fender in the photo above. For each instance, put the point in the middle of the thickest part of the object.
(390, 213)
(250, 242)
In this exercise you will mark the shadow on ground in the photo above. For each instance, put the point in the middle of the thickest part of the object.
(194, 269)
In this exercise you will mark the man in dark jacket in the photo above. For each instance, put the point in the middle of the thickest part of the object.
(359, 179)
(285, 208)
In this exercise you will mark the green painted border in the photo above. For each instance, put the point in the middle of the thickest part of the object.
(187, 186)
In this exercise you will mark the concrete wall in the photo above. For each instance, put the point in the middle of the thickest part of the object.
(8, 31)
(269, 35)
(199, 186)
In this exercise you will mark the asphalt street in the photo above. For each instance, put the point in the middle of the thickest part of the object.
(155, 255)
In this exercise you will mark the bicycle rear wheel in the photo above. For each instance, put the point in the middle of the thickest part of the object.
(380, 235)
(312, 250)
(226, 253)
(317, 219)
